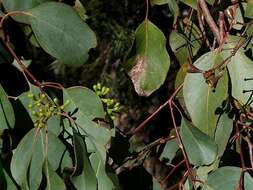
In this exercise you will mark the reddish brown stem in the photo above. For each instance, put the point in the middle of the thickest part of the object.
(153, 115)
(209, 19)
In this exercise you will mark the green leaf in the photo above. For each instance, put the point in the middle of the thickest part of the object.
(56, 150)
(149, 66)
(89, 107)
(30, 155)
(227, 178)
(249, 10)
(85, 178)
(240, 69)
(23, 155)
(174, 9)
(173, 6)
(37, 161)
(159, 2)
(17, 5)
(223, 132)
(170, 150)
(53, 179)
(191, 3)
(85, 100)
(26, 63)
(200, 99)
(104, 182)
(185, 48)
(7, 117)
(10, 183)
(25, 100)
(3, 181)
(68, 39)
(54, 125)
(203, 171)
(156, 185)
(200, 148)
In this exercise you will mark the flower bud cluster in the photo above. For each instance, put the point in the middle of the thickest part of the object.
(112, 107)
(43, 109)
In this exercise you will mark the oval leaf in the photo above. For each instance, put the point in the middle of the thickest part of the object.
(86, 178)
(22, 156)
(200, 99)
(17, 5)
(104, 182)
(53, 179)
(223, 132)
(149, 66)
(85, 100)
(241, 74)
(66, 38)
(7, 117)
(185, 46)
(86, 106)
(227, 178)
(200, 148)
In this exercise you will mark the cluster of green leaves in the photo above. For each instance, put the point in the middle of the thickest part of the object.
(64, 147)
(67, 147)
(208, 105)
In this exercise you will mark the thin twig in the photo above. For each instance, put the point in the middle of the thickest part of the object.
(209, 19)
(143, 124)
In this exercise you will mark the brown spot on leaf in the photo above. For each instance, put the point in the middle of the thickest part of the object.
(136, 72)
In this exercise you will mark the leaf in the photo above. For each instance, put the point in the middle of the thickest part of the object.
(104, 182)
(203, 171)
(174, 9)
(7, 117)
(191, 3)
(37, 161)
(200, 148)
(200, 99)
(223, 132)
(169, 150)
(26, 63)
(185, 48)
(25, 100)
(85, 100)
(17, 5)
(10, 183)
(3, 181)
(227, 178)
(156, 185)
(23, 155)
(249, 10)
(30, 156)
(89, 107)
(159, 2)
(53, 180)
(173, 6)
(66, 38)
(56, 150)
(85, 178)
(240, 70)
(54, 125)
(149, 66)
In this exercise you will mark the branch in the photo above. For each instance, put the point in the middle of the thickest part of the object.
(209, 20)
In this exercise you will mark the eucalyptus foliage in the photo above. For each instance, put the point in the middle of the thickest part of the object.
(66, 133)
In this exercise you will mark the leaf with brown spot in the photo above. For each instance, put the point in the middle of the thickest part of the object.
(150, 63)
